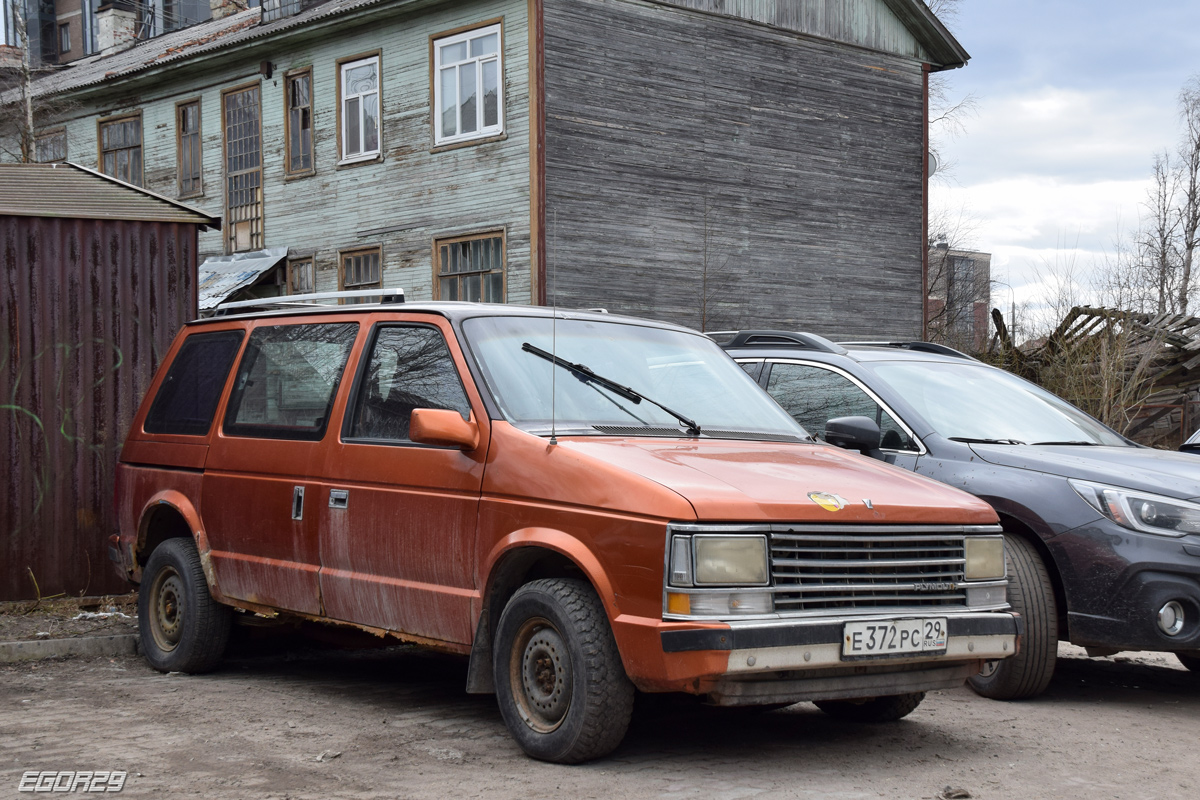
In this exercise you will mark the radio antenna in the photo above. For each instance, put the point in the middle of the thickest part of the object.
(553, 325)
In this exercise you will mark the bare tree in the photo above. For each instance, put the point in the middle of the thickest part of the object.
(16, 94)
(1189, 183)
(948, 112)
(957, 282)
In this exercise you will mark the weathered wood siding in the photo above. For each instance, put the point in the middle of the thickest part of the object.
(867, 23)
(715, 172)
(402, 202)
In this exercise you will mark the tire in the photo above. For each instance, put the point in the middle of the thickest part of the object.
(182, 628)
(559, 681)
(1031, 595)
(1189, 660)
(878, 709)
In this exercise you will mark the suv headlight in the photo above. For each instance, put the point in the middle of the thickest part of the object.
(1141, 511)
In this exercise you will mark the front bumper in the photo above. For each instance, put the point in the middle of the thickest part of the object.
(772, 661)
(813, 644)
(1116, 580)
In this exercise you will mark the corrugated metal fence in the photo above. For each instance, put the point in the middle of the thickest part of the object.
(89, 308)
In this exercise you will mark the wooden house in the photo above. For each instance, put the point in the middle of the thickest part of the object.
(711, 162)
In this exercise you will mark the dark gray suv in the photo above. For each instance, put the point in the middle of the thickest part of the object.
(1103, 535)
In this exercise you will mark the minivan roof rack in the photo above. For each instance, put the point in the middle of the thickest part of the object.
(801, 341)
(920, 347)
(386, 297)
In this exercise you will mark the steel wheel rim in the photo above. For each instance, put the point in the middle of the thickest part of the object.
(167, 608)
(540, 675)
(989, 668)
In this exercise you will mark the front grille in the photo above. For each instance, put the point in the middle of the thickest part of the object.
(866, 567)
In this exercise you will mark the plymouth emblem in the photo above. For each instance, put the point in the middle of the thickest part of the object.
(827, 501)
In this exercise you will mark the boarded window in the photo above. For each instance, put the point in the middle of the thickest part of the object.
(409, 368)
(360, 109)
(188, 396)
(188, 126)
(471, 268)
(361, 269)
(51, 147)
(300, 276)
(468, 90)
(299, 123)
(287, 380)
(121, 149)
(243, 170)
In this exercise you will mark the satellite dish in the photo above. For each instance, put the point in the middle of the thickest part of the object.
(933, 165)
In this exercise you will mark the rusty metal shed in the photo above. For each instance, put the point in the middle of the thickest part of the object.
(96, 277)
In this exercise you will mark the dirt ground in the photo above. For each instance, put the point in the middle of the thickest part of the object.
(278, 722)
(68, 617)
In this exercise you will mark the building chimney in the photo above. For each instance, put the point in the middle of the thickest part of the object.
(116, 28)
(223, 8)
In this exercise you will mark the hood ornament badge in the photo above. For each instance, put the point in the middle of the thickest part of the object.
(827, 501)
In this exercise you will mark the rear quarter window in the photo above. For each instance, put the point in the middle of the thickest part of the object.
(187, 399)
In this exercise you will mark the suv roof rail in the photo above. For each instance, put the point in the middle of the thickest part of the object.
(920, 347)
(802, 341)
(386, 297)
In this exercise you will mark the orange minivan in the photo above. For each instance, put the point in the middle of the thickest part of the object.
(584, 504)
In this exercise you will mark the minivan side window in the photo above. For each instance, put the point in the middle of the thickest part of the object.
(188, 396)
(287, 380)
(409, 368)
(814, 396)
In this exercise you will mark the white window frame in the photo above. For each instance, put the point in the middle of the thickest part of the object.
(344, 117)
(476, 63)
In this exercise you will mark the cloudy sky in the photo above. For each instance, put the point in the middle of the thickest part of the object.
(1073, 100)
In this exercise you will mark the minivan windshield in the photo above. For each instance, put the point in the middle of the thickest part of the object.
(685, 372)
(977, 403)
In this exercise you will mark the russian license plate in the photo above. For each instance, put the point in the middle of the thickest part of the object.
(893, 637)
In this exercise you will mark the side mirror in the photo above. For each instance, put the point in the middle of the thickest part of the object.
(853, 433)
(444, 427)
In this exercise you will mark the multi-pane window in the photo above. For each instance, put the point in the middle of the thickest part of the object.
(300, 276)
(243, 170)
(468, 88)
(361, 269)
(299, 123)
(187, 123)
(360, 109)
(470, 268)
(121, 149)
(51, 147)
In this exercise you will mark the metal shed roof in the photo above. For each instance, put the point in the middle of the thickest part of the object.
(73, 192)
(221, 276)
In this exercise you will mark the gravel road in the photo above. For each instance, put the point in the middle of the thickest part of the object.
(396, 723)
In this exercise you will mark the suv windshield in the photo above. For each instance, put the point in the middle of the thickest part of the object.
(687, 373)
(978, 403)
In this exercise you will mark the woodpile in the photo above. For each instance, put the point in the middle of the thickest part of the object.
(1138, 373)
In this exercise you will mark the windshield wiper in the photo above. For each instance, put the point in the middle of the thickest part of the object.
(969, 440)
(1077, 443)
(585, 374)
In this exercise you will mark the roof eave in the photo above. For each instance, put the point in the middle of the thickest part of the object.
(206, 222)
(945, 52)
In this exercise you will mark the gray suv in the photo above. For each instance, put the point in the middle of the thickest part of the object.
(1103, 535)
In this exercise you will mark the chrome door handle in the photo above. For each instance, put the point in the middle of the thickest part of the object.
(339, 498)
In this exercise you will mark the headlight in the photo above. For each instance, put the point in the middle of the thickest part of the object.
(1141, 511)
(985, 558)
(730, 560)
